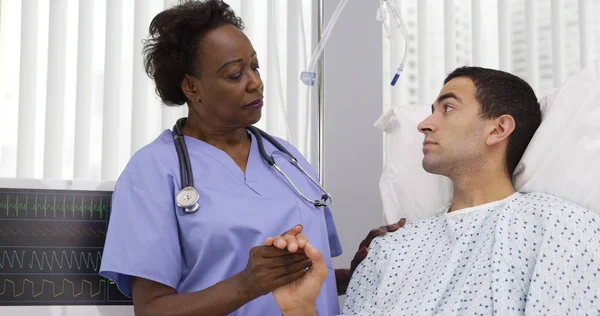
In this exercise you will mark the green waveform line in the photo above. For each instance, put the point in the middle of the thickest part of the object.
(83, 258)
(54, 207)
(54, 293)
(17, 206)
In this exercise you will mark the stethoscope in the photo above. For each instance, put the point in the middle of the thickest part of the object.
(188, 197)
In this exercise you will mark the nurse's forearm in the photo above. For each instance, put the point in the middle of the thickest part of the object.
(222, 298)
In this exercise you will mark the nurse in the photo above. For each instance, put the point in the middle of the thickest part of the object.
(213, 261)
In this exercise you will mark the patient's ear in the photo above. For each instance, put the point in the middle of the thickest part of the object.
(503, 126)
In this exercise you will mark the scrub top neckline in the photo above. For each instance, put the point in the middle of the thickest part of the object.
(224, 159)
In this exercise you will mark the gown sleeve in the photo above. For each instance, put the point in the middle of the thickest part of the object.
(367, 277)
(550, 249)
(566, 278)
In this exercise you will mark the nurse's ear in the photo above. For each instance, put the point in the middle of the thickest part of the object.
(190, 85)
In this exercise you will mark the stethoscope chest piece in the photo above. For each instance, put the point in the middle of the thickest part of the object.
(188, 199)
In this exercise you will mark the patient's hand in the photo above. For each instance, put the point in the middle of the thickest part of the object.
(363, 248)
(298, 297)
(292, 240)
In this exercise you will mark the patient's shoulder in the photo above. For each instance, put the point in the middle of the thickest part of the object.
(547, 202)
(551, 209)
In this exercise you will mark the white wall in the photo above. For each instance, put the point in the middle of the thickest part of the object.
(353, 101)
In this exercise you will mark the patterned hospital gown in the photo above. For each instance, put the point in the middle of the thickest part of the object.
(530, 254)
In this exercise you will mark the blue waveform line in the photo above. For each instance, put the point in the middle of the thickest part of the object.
(83, 258)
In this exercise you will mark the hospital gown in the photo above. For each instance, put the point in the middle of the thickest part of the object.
(528, 254)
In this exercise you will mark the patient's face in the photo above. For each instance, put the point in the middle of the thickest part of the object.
(454, 132)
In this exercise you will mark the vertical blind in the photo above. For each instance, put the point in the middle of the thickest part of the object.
(542, 41)
(75, 102)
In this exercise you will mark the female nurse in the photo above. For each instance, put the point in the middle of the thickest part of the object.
(213, 261)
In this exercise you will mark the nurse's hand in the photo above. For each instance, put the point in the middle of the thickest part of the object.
(270, 267)
(298, 297)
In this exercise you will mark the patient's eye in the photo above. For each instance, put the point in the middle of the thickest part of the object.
(448, 108)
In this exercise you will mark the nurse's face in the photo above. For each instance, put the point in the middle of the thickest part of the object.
(228, 91)
(455, 137)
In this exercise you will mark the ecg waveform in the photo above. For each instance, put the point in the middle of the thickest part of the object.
(52, 233)
(35, 204)
(50, 261)
(51, 245)
(65, 289)
(53, 289)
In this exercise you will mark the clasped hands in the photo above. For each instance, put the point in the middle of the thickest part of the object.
(298, 297)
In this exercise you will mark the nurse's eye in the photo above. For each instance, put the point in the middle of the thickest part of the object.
(236, 76)
(448, 108)
(255, 68)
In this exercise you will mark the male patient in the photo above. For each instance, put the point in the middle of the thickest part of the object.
(493, 250)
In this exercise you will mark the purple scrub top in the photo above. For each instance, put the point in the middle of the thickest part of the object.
(150, 237)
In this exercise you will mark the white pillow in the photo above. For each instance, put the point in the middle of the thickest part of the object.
(563, 158)
(407, 190)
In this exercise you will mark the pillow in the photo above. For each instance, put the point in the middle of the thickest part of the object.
(407, 190)
(562, 159)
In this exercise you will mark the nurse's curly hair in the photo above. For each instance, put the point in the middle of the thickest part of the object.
(171, 50)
